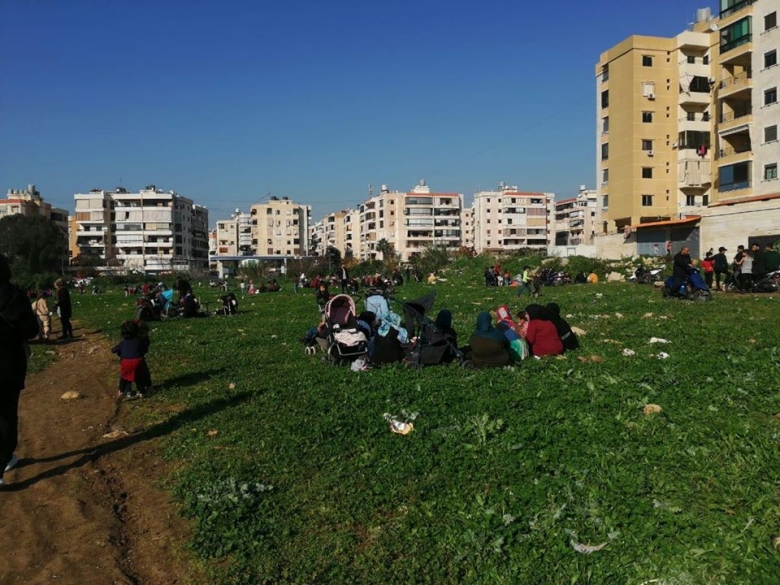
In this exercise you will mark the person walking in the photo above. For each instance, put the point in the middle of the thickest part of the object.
(64, 308)
(721, 266)
(524, 281)
(17, 325)
(41, 309)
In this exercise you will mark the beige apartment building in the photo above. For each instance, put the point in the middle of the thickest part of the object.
(687, 147)
(509, 219)
(28, 202)
(280, 228)
(234, 235)
(577, 219)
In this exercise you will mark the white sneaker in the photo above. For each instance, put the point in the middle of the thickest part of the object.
(12, 463)
(2, 483)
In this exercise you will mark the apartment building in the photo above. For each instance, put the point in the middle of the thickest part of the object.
(28, 202)
(280, 228)
(577, 219)
(509, 219)
(721, 78)
(151, 230)
(410, 222)
(234, 235)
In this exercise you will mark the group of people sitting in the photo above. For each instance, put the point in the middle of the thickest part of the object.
(537, 331)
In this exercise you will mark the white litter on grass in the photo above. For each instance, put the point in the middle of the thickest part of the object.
(599, 295)
(658, 340)
(628, 352)
(663, 356)
(587, 549)
(619, 315)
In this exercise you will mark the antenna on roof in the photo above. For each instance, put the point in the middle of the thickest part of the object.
(370, 190)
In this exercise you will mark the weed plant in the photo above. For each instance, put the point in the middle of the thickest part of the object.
(290, 473)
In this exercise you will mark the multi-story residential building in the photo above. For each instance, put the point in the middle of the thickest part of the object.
(28, 202)
(152, 230)
(409, 222)
(721, 78)
(467, 221)
(280, 228)
(577, 219)
(234, 235)
(509, 219)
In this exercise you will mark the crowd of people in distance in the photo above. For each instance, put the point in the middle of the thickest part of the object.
(532, 280)
(743, 272)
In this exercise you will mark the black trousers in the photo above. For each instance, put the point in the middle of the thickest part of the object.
(9, 423)
(67, 328)
(718, 274)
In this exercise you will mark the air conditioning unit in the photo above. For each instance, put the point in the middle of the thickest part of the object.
(650, 153)
(674, 145)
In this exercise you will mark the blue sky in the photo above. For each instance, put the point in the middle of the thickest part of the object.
(226, 102)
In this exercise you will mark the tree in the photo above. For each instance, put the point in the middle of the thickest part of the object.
(385, 248)
(334, 257)
(314, 244)
(34, 245)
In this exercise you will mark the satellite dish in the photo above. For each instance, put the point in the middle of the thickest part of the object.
(714, 27)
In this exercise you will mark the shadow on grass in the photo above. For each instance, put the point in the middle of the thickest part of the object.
(91, 454)
(189, 379)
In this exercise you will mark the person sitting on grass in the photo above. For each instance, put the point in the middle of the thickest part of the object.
(542, 336)
(488, 347)
(568, 337)
(322, 295)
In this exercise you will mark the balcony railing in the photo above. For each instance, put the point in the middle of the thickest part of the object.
(732, 151)
(736, 114)
(738, 79)
(738, 42)
(734, 8)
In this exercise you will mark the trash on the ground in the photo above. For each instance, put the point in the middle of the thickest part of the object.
(587, 549)
(619, 315)
(232, 385)
(628, 352)
(70, 395)
(213, 433)
(612, 341)
(578, 331)
(599, 295)
(663, 356)
(776, 541)
(360, 365)
(658, 340)
(652, 409)
(647, 315)
(401, 428)
(115, 434)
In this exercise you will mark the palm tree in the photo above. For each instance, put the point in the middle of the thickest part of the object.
(385, 248)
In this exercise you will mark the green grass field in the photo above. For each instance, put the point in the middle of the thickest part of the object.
(291, 474)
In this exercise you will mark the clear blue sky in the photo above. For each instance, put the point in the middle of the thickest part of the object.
(226, 101)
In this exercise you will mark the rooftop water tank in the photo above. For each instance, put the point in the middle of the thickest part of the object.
(703, 14)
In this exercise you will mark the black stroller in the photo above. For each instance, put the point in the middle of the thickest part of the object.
(229, 304)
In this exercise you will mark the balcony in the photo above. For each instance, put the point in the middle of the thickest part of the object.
(694, 98)
(736, 50)
(693, 172)
(741, 82)
(734, 154)
(735, 8)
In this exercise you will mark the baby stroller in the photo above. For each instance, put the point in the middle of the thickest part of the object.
(229, 305)
(346, 342)
(433, 346)
(693, 288)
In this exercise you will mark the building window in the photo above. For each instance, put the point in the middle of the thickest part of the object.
(648, 89)
(770, 96)
(770, 172)
(733, 177)
(705, 200)
(605, 151)
(691, 59)
(770, 59)
(647, 117)
(605, 98)
(770, 21)
(690, 200)
(735, 35)
(604, 129)
(770, 134)
(604, 176)
(647, 172)
(647, 145)
(647, 200)
(647, 61)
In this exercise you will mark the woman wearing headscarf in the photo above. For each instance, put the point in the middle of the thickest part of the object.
(542, 336)
(568, 337)
(489, 346)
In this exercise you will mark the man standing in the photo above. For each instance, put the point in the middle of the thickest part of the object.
(681, 268)
(772, 258)
(64, 308)
(344, 279)
(759, 261)
(721, 265)
(17, 324)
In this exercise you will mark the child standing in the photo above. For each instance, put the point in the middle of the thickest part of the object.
(132, 365)
(41, 310)
(709, 268)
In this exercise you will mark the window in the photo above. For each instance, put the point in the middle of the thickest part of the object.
(735, 35)
(770, 172)
(647, 172)
(734, 177)
(770, 59)
(770, 134)
(706, 60)
(699, 84)
(690, 200)
(605, 98)
(604, 176)
(605, 151)
(770, 20)
(647, 61)
(691, 116)
(647, 200)
(605, 73)
(647, 117)
(705, 200)
(770, 96)
(691, 59)
(647, 145)
(604, 127)
(648, 89)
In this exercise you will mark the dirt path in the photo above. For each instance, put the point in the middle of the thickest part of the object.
(84, 505)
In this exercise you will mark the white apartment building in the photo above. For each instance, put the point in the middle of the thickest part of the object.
(509, 219)
(151, 230)
(577, 219)
(766, 84)
(280, 228)
(467, 222)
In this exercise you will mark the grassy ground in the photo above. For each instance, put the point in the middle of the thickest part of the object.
(292, 474)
